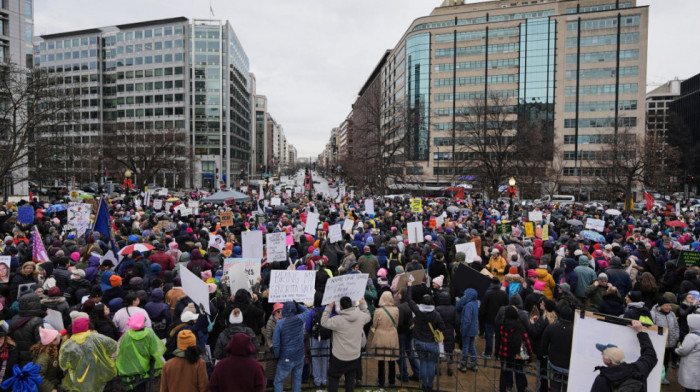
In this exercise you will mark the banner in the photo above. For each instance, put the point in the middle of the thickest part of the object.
(688, 259)
(311, 223)
(469, 249)
(246, 273)
(415, 232)
(252, 244)
(288, 285)
(276, 246)
(416, 276)
(194, 206)
(195, 288)
(416, 205)
(595, 224)
(226, 219)
(352, 286)
(335, 233)
(529, 229)
(545, 233)
(79, 217)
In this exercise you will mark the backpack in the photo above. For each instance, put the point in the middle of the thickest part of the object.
(630, 385)
(317, 331)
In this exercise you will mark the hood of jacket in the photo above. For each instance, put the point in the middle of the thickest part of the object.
(583, 261)
(237, 251)
(240, 345)
(157, 295)
(470, 295)
(289, 309)
(168, 276)
(242, 297)
(542, 274)
(516, 301)
(381, 252)
(513, 278)
(30, 305)
(569, 265)
(694, 322)
(443, 298)
(689, 274)
(94, 261)
(138, 335)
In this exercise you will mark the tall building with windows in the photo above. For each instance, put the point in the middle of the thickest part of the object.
(578, 67)
(173, 74)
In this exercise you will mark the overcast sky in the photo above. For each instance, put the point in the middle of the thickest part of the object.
(311, 57)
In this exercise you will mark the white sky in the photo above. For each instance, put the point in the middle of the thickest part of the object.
(311, 57)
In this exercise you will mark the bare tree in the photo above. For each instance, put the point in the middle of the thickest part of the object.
(485, 142)
(534, 151)
(146, 152)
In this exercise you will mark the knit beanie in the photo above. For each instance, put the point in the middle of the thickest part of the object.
(186, 339)
(47, 335)
(80, 325)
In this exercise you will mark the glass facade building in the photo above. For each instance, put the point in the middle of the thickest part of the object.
(173, 74)
(576, 65)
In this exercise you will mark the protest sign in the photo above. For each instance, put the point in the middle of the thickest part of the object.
(79, 217)
(469, 249)
(432, 223)
(289, 285)
(534, 216)
(352, 286)
(369, 206)
(237, 277)
(163, 224)
(439, 221)
(25, 215)
(194, 206)
(275, 201)
(335, 233)
(252, 268)
(290, 240)
(252, 244)
(688, 259)
(24, 288)
(195, 288)
(417, 278)
(311, 223)
(54, 319)
(592, 330)
(416, 205)
(226, 219)
(529, 229)
(595, 224)
(466, 277)
(545, 233)
(217, 241)
(333, 193)
(348, 224)
(415, 232)
(157, 204)
(5, 262)
(168, 206)
(276, 246)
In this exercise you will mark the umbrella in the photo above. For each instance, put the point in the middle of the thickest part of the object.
(172, 199)
(86, 196)
(574, 222)
(293, 205)
(592, 235)
(56, 208)
(612, 212)
(127, 250)
(221, 197)
(453, 209)
(676, 223)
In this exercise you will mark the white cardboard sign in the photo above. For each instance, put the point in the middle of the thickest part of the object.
(312, 219)
(237, 277)
(290, 285)
(195, 288)
(415, 232)
(251, 270)
(369, 206)
(352, 286)
(158, 204)
(252, 244)
(275, 201)
(348, 224)
(534, 216)
(335, 233)
(276, 246)
(469, 250)
(216, 241)
(79, 217)
(595, 224)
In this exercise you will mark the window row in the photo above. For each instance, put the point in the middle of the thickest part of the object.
(88, 53)
(600, 122)
(586, 171)
(594, 139)
(600, 73)
(602, 89)
(143, 34)
(473, 95)
(597, 57)
(465, 111)
(68, 67)
(479, 49)
(476, 65)
(603, 23)
(477, 35)
(128, 113)
(68, 43)
(600, 106)
(598, 7)
(610, 39)
(478, 80)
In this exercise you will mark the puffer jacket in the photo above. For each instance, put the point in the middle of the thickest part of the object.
(449, 316)
(570, 275)
(91, 270)
(586, 276)
(226, 335)
(468, 308)
(689, 351)
(668, 321)
(159, 313)
(24, 327)
(425, 315)
(288, 338)
(619, 277)
(544, 276)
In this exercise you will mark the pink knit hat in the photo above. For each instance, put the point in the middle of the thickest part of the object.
(539, 285)
(382, 272)
(47, 335)
(206, 274)
(80, 325)
(136, 322)
(75, 256)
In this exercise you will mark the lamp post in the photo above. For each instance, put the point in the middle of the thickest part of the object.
(511, 193)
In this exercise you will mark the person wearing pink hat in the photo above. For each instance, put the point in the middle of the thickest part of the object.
(45, 354)
(86, 358)
(136, 348)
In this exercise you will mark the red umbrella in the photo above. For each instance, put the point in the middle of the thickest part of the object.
(127, 250)
(676, 223)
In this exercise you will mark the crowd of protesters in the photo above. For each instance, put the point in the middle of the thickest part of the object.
(127, 321)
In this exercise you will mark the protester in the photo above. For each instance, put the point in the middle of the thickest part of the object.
(288, 343)
(385, 344)
(87, 359)
(427, 336)
(45, 354)
(136, 348)
(238, 372)
(187, 371)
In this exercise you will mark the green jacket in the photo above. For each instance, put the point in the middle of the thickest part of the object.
(135, 351)
(49, 372)
(595, 295)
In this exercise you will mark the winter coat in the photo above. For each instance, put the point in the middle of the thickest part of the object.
(17, 280)
(619, 278)
(270, 362)
(62, 276)
(689, 351)
(135, 351)
(595, 295)
(60, 305)
(50, 372)
(639, 370)
(228, 333)
(288, 338)
(612, 305)
(556, 343)
(12, 358)
(424, 317)
(347, 330)
(544, 276)
(180, 375)
(106, 327)
(252, 311)
(450, 317)
(27, 334)
(368, 264)
(512, 284)
(492, 301)
(77, 289)
(497, 266)
(123, 314)
(159, 313)
(669, 322)
(91, 270)
(386, 338)
(468, 309)
(239, 372)
(586, 275)
(345, 263)
(570, 275)
(163, 259)
(638, 311)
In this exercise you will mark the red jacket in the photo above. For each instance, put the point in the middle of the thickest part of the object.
(165, 260)
(238, 372)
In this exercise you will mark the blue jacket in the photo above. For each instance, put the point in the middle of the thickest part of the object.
(288, 338)
(469, 309)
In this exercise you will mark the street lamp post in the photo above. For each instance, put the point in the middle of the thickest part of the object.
(511, 194)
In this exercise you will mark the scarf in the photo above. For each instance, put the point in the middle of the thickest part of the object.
(4, 352)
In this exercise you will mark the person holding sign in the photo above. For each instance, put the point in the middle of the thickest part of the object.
(288, 344)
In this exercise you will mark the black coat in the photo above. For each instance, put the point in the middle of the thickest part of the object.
(421, 320)
(611, 305)
(556, 342)
(62, 277)
(640, 369)
(449, 316)
(24, 327)
(492, 301)
(12, 358)
(106, 327)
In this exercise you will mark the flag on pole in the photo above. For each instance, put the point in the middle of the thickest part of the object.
(649, 199)
(261, 194)
(39, 254)
(103, 225)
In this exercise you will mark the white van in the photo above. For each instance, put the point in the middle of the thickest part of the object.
(561, 199)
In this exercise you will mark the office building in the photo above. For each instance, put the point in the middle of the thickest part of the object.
(684, 130)
(577, 67)
(189, 77)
